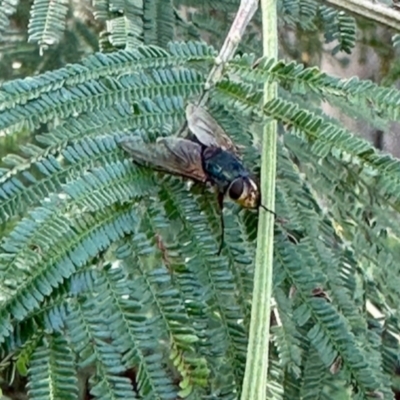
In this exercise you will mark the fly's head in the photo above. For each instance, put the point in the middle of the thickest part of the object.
(245, 192)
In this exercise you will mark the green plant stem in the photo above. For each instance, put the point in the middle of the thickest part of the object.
(255, 380)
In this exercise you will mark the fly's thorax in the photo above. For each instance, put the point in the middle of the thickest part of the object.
(245, 192)
(222, 167)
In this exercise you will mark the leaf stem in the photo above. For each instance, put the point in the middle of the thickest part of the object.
(255, 380)
(245, 13)
(372, 10)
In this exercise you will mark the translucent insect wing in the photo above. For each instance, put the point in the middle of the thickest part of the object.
(207, 130)
(173, 155)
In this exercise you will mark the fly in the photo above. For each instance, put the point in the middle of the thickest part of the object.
(208, 156)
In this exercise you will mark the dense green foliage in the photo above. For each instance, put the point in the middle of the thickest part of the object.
(109, 278)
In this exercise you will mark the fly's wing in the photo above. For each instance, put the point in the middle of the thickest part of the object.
(173, 155)
(207, 130)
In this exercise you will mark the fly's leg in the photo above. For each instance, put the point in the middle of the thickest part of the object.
(268, 210)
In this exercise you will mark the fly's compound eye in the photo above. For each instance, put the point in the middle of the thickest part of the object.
(236, 189)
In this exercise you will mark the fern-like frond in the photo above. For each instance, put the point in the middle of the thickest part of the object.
(396, 40)
(52, 315)
(53, 372)
(96, 94)
(329, 333)
(136, 335)
(229, 6)
(131, 23)
(275, 389)
(158, 22)
(217, 277)
(364, 94)
(89, 336)
(165, 300)
(7, 8)
(314, 375)
(24, 172)
(287, 340)
(98, 66)
(373, 239)
(101, 9)
(340, 27)
(47, 22)
(71, 248)
(126, 28)
(307, 12)
(17, 196)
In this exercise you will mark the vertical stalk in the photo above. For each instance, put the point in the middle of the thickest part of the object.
(255, 380)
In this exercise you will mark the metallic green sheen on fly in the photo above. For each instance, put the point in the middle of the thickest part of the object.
(209, 155)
